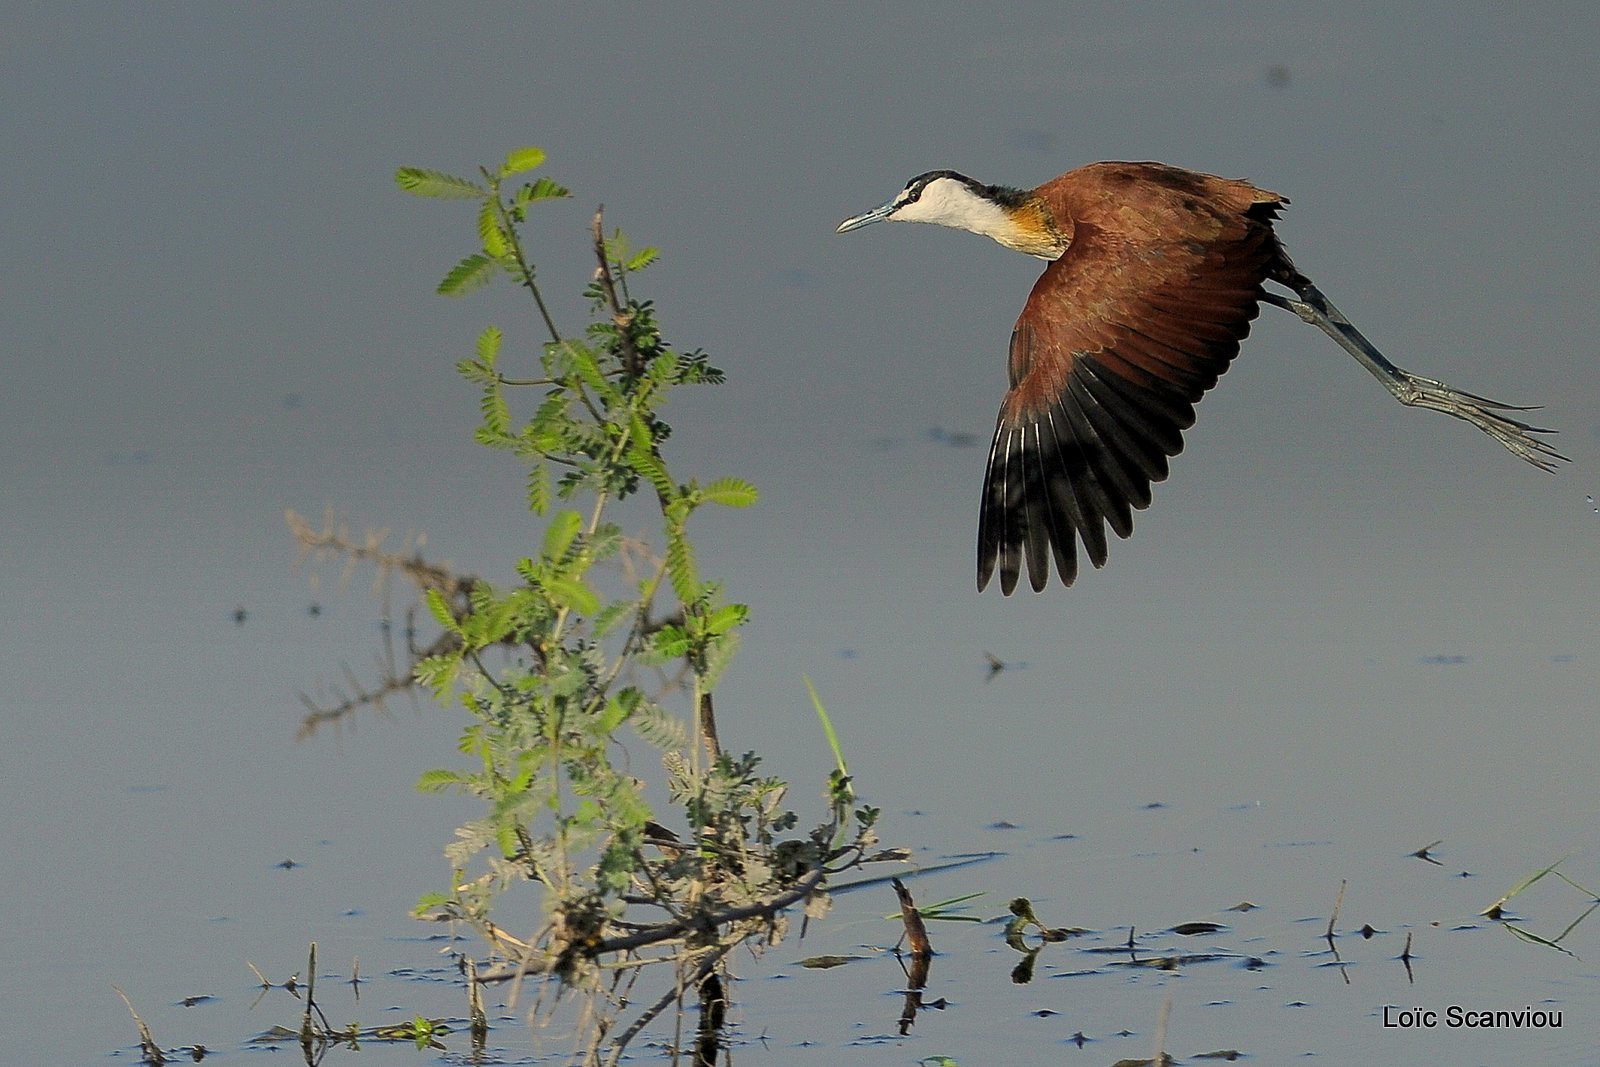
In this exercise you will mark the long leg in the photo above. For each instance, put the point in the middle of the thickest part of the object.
(1415, 391)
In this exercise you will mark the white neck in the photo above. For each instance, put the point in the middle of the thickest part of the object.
(951, 202)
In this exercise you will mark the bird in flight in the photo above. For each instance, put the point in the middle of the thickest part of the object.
(1155, 275)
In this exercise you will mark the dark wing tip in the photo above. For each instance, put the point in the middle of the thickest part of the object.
(1002, 516)
(1084, 462)
(1105, 372)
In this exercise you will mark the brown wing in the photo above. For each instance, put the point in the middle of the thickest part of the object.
(1117, 342)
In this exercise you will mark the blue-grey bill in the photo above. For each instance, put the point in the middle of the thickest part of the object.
(855, 222)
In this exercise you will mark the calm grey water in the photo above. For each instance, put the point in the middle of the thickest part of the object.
(1344, 630)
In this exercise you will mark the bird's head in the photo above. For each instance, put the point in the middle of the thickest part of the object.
(1016, 218)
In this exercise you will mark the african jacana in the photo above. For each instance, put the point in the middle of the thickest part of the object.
(1155, 274)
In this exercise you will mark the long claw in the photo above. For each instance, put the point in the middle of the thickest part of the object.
(1514, 434)
(1414, 391)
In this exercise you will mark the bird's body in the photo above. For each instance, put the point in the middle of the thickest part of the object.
(1155, 274)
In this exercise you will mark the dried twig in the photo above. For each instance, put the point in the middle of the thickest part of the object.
(147, 1043)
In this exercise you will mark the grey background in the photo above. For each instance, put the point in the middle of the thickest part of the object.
(216, 306)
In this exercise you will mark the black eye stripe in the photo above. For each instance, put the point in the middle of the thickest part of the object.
(915, 186)
(1004, 195)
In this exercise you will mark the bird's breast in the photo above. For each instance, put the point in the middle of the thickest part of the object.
(1036, 231)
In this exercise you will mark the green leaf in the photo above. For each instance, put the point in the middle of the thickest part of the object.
(436, 781)
(438, 673)
(496, 416)
(489, 624)
(490, 438)
(573, 593)
(659, 728)
(489, 346)
(719, 654)
(474, 372)
(616, 711)
(545, 189)
(420, 182)
(681, 569)
(528, 767)
(546, 431)
(726, 618)
(1524, 884)
(663, 368)
(559, 535)
(440, 608)
(642, 259)
(669, 642)
(539, 488)
(490, 231)
(471, 273)
(521, 159)
(730, 492)
(613, 613)
(641, 451)
(827, 728)
(606, 541)
(943, 909)
(584, 364)
(618, 247)
(649, 464)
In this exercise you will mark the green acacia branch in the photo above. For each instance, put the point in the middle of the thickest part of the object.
(553, 797)
(501, 379)
(619, 448)
(524, 268)
(601, 497)
(634, 642)
(575, 385)
(547, 727)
